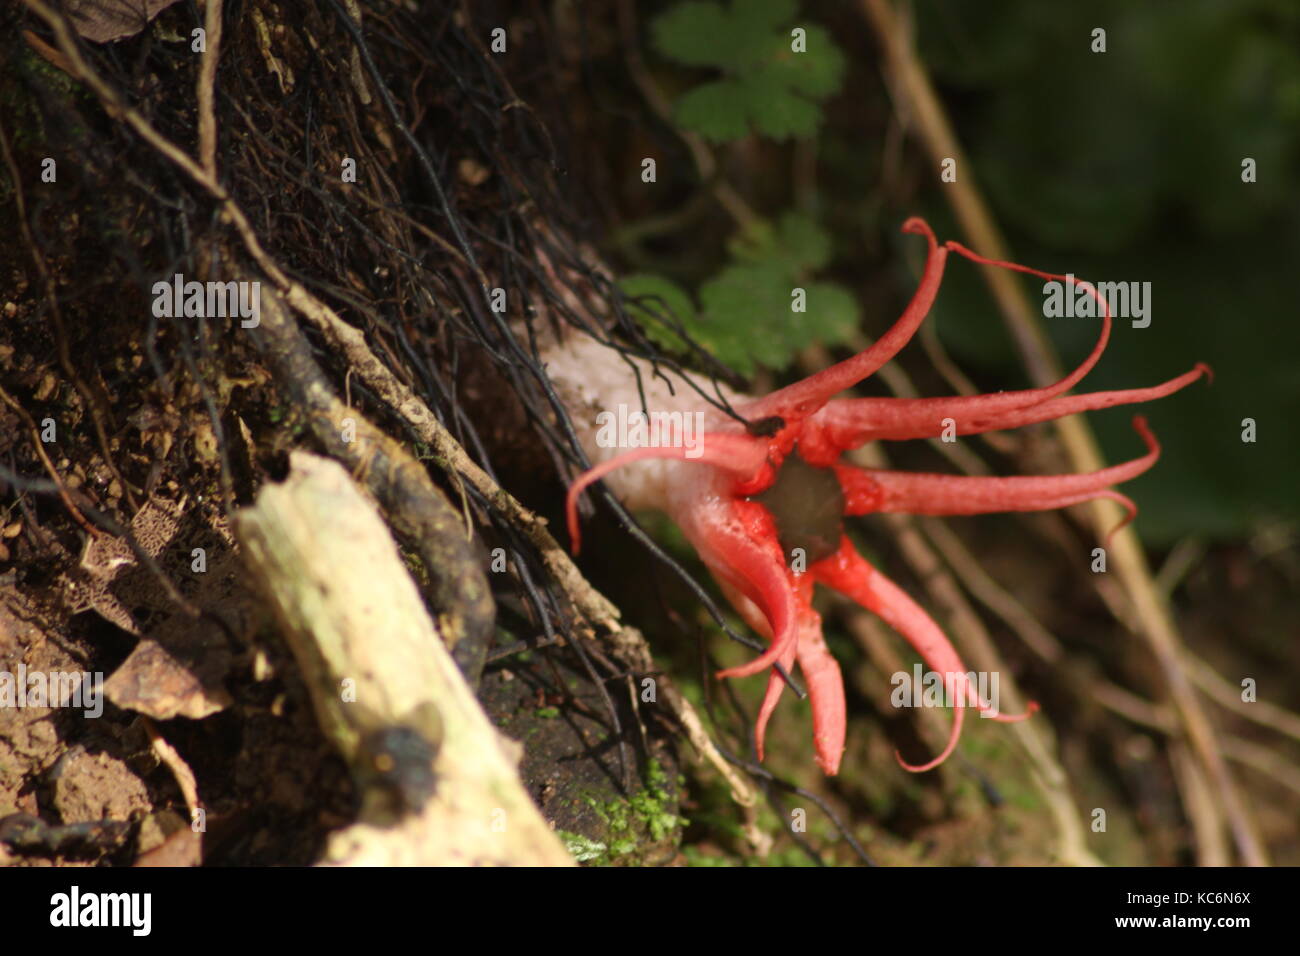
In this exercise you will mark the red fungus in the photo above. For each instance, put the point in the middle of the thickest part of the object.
(730, 499)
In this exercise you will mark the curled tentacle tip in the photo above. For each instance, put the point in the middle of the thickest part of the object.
(920, 767)
(1144, 430)
(1204, 369)
(918, 226)
(954, 735)
(1031, 708)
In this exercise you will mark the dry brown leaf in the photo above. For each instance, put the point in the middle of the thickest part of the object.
(103, 21)
(152, 681)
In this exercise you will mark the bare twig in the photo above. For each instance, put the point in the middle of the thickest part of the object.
(176, 764)
(207, 85)
(1263, 760)
(1228, 695)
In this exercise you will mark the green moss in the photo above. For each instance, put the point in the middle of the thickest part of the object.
(650, 805)
(581, 848)
(639, 823)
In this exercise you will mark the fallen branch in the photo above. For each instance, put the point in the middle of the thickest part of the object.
(438, 784)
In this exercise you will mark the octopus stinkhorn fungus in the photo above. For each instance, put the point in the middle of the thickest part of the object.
(763, 503)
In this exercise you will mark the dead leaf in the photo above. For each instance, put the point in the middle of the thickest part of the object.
(153, 682)
(103, 21)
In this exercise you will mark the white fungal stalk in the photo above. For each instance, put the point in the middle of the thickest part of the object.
(596, 385)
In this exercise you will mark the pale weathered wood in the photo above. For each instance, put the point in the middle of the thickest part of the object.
(372, 661)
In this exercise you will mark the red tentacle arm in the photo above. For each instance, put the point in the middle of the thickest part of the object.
(821, 673)
(869, 489)
(844, 432)
(771, 697)
(850, 423)
(740, 456)
(737, 541)
(825, 683)
(853, 576)
(796, 402)
(820, 670)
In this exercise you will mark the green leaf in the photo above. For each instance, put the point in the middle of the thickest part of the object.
(796, 245)
(764, 16)
(688, 33)
(766, 85)
(708, 34)
(776, 110)
(816, 73)
(740, 319)
(745, 317)
(715, 110)
(804, 243)
(657, 298)
(753, 25)
(832, 315)
(660, 305)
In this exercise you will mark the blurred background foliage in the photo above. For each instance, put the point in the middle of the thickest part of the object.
(1127, 165)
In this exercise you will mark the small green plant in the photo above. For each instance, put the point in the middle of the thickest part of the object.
(762, 307)
(644, 817)
(581, 848)
(650, 804)
(774, 72)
